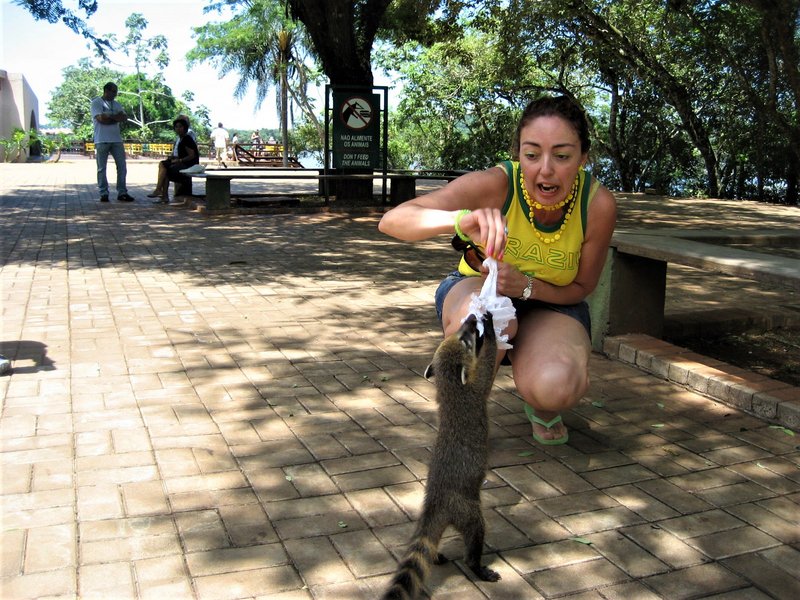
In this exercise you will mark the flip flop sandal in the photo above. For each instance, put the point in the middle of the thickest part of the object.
(547, 425)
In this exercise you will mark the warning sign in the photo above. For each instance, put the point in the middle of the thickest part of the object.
(356, 113)
(356, 135)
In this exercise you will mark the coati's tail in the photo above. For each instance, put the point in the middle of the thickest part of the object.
(412, 572)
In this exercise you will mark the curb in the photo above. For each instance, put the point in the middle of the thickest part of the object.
(757, 395)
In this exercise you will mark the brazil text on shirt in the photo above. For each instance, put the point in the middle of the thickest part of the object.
(554, 258)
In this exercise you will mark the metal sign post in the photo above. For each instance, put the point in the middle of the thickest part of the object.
(358, 133)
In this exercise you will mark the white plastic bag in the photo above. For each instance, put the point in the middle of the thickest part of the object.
(488, 301)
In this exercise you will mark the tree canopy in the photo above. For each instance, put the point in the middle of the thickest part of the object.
(54, 11)
(69, 104)
(691, 96)
(687, 96)
(265, 49)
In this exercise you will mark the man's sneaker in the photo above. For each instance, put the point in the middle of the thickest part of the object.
(125, 198)
(104, 198)
(5, 365)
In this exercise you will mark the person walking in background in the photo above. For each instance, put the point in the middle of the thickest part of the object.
(107, 114)
(234, 143)
(220, 138)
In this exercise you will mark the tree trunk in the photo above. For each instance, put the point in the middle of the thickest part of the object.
(783, 22)
(792, 177)
(343, 32)
(652, 71)
(614, 144)
(285, 115)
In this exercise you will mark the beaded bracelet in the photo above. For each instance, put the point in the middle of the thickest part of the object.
(457, 224)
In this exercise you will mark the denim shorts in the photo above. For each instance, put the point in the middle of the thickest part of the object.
(579, 312)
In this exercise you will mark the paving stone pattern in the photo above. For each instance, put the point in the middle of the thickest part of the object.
(233, 407)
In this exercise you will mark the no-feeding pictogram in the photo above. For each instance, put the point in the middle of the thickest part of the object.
(356, 112)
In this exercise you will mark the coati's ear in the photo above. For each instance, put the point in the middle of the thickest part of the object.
(428, 371)
(463, 375)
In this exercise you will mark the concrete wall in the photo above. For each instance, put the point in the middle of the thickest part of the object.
(19, 107)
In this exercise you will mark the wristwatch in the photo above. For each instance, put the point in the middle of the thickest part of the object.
(526, 293)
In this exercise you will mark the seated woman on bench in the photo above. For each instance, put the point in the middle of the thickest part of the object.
(184, 155)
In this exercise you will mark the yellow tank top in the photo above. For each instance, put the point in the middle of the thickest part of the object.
(557, 262)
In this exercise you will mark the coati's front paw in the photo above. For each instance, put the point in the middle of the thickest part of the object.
(439, 559)
(486, 574)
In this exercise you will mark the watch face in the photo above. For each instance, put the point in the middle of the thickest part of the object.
(526, 293)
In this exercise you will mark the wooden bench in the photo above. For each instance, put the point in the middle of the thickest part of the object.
(218, 181)
(403, 183)
(630, 295)
(263, 155)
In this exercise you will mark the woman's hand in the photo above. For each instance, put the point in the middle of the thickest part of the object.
(511, 281)
(487, 228)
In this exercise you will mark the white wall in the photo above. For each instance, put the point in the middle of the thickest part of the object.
(19, 106)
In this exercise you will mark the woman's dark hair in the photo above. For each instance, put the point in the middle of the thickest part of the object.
(183, 122)
(554, 106)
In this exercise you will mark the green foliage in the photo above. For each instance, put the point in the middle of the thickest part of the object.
(144, 51)
(151, 108)
(15, 145)
(697, 96)
(267, 50)
(70, 103)
(54, 11)
(304, 135)
(151, 99)
(249, 44)
(691, 97)
(454, 113)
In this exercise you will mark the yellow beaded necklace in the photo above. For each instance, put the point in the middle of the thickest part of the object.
(533, 204)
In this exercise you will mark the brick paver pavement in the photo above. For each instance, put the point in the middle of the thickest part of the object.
(233, 407)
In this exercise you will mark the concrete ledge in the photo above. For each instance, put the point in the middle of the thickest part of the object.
(715, 258)
(765, 398)
(630, 295)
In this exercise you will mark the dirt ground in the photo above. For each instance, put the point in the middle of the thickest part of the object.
(775, 353)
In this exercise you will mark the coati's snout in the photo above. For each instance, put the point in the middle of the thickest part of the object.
(463, 347)
(468, 334)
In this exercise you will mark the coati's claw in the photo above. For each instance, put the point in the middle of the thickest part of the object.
(486, 574)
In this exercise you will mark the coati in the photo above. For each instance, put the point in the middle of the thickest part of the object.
(463, 367)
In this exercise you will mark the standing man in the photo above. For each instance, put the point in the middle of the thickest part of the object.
(107, 114)
(220, 138)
